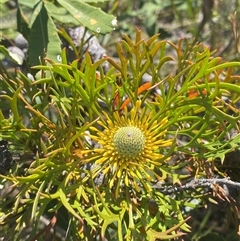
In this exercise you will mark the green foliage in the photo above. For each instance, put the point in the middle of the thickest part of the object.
(206, 21)
(36, 21)
(52, 116)
(13, 57)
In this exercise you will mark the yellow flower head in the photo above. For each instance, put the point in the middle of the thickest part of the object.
(129, 147)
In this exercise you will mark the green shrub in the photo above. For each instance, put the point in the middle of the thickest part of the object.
(105, 149)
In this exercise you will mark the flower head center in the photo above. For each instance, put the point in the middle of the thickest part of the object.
(129, 141)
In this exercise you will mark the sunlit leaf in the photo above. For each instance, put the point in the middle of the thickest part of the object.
(12, 56)
(89, 16)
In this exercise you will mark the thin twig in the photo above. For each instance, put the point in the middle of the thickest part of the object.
(196, 183)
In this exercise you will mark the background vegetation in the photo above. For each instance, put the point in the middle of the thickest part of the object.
(58, 82)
